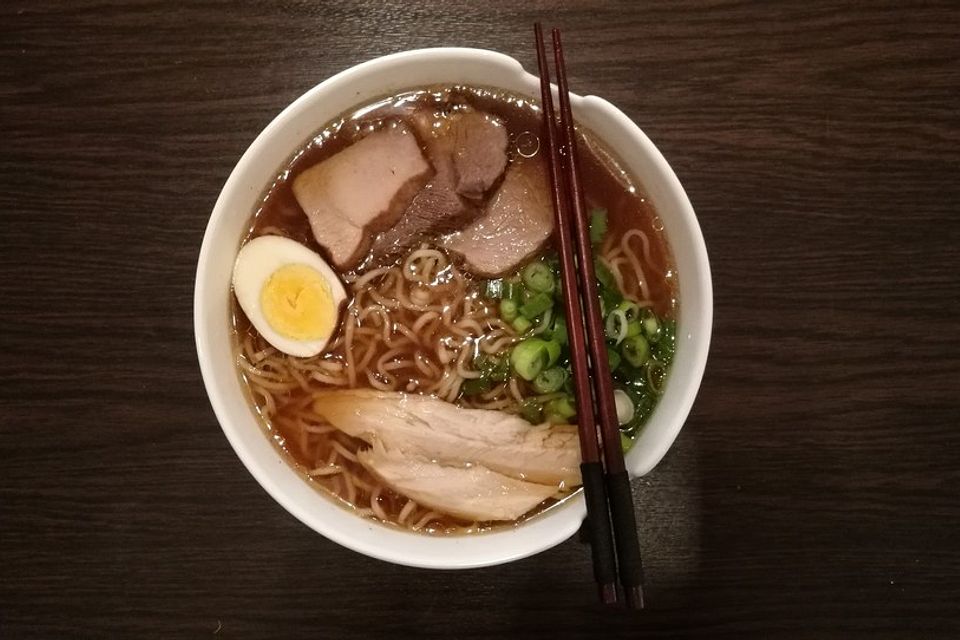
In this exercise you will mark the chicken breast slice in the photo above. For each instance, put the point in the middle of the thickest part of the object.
(517, 223)
(437, 430)
(361, 190)
(470, 493)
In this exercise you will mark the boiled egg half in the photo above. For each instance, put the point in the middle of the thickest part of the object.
(291, 296)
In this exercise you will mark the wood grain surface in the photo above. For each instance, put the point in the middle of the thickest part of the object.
(814, 490)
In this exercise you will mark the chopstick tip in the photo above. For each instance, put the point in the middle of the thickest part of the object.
(608, 593)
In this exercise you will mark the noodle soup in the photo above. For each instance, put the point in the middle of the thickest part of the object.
(426, 316)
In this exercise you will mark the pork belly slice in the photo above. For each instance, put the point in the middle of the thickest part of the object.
(479, 152)
(516, 224)
(363, 189)
(468, 151)
(471, 493)
(435, 210)
(436, 430)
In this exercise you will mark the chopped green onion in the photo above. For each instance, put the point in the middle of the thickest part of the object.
(536, 305)
(610, 295)
(656, 373)
(560, 410)
(553, 352)
(609, 299)
(544, 322)
(531, 411)
(630, 309)
(549, 380)
(500, 371)
(651, 325)
(634, 328)
(568, 384)
(508, 310)
(626, 442)
(495, 368)
(636, 350)
(529, 358)
(538, 277)
(616, 326)
(476, 386)
(521, 324)
(598, 225)
(613, 358)
(604, 276)
(559, 330)
(512, 290)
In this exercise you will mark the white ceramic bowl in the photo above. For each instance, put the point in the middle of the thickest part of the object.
(228, 224)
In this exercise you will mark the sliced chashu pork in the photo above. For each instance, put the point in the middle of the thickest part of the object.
(361, 190)
(436, 430)
(516, 224)
(471, 493)
(436, 209)
(468, 151)
(479, 152)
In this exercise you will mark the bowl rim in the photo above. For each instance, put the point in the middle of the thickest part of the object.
(496, 553)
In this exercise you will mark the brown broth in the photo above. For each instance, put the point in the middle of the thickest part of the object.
(606, 186)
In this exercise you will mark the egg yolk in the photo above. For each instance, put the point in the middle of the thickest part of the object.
(298, 304)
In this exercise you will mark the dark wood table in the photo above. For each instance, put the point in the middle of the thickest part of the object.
(814, 492)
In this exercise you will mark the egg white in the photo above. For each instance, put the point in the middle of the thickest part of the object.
(256, 262)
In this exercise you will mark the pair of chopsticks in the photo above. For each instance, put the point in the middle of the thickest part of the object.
(611, 524)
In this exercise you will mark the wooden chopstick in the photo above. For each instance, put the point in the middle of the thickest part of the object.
(591, 467)
(620, 496)
(576, 258)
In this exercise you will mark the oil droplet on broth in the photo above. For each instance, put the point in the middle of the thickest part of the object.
(528, 144)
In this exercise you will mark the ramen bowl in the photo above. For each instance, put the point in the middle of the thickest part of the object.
(229, 223)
